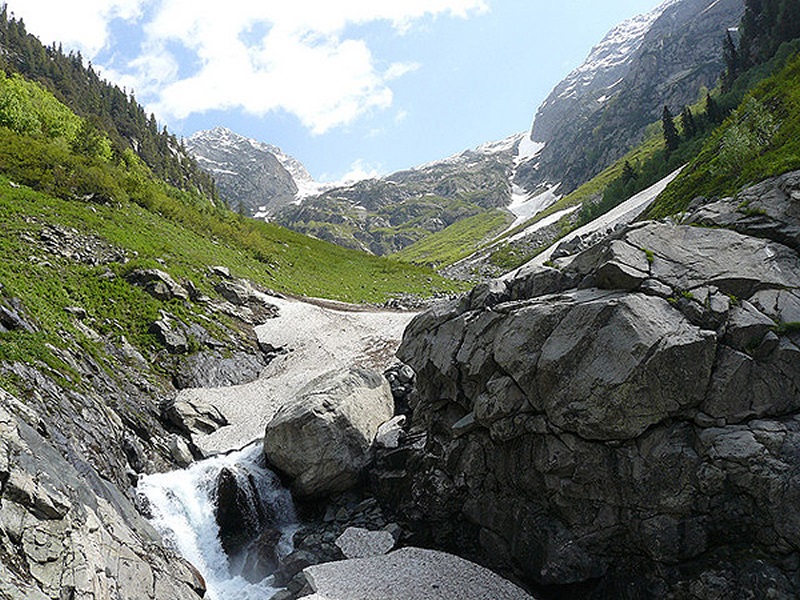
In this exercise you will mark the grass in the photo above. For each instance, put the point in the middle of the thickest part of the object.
(457, 241)
(760, 139)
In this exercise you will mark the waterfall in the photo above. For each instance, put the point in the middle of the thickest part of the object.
(182, 507)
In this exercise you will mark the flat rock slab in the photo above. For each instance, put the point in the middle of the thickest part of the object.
(409, 574)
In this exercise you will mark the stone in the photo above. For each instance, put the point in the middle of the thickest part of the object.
(357, 542)
(180, 451)
(66, 533)
(746, 327)
(239, 512)
(12, 317)
(173, 338)
(158, 284)
(391, 432)
(321, 439)
(220, 271)
(610, 436)
(408, 574)
(215, 368)
(192, 415)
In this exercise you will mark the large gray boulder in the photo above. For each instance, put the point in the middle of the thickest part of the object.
(629, 418)
(409, 574)
(322, 438)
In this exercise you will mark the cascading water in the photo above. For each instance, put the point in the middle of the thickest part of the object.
(183, 508)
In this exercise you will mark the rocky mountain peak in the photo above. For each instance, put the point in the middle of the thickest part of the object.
(252, 176)
(600, 109)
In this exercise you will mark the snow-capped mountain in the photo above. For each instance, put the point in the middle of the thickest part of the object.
(607, 63)
(251, 176)
(601, 109)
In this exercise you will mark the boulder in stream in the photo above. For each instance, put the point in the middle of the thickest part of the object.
(321, 439)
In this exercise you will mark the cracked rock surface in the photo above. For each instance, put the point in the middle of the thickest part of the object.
(625, 423)
(71, 534)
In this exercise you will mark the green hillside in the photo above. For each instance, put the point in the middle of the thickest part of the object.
(77, 219)
(761, 138)
(457, 241)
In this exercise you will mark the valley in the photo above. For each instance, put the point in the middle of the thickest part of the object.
(563, 364)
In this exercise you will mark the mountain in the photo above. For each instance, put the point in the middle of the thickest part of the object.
(592, 118)
(386, 214)
(601, 109)
(252, 177)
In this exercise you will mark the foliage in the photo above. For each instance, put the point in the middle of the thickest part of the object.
(759, 140)
(671, 138)
(111, 110)
(457, 241)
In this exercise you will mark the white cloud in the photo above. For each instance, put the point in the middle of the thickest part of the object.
(359, 170)
(263, 56)
(78, 24)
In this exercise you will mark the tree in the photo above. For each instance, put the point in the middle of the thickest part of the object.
(628, 174)
(687, 123)
(712, 112)
(733, 64)
(671, 139)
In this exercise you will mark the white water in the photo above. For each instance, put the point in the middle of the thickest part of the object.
(181, 503)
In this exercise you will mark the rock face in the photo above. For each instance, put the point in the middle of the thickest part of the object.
(601, 109)
(387, 214)
(75, 535)
(250, 176)
(322, 438)
(627, 423)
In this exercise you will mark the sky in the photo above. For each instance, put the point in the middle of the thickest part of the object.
(351, 88)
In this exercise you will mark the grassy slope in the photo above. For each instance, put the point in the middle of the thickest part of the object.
(71, 182)
(457, 241)
(760, 139)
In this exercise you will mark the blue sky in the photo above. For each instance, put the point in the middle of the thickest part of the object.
(349, 87)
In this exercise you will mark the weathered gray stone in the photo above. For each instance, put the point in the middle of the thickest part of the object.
(641, 437)
(357, 542)
(65, 534)
(173, 338)
(195, 416)
(158, 284)
(180, 451)
(391, 432)
(408, 574)
(746, 327)
(321, 439)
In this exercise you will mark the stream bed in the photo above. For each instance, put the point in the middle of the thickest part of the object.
(182, 507)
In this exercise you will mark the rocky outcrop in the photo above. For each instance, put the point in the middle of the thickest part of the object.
(322, 438)
(158, 284)
(252, 177)
(69, 533)
(193, 415)
(624, 423)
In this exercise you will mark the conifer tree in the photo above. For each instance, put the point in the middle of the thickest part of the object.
(733, 65)
(671, 139)
(712, 112)
(687, 123)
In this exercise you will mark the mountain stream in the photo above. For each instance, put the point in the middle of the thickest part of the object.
(182, 506)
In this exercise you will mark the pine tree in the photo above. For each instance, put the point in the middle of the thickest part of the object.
(733, 64)
(712, 112)
(628, 174)
(671, 139)
(687, 123)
